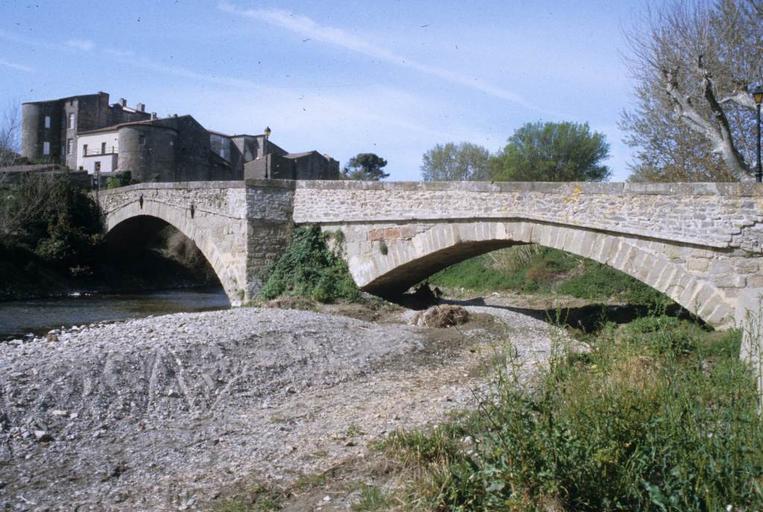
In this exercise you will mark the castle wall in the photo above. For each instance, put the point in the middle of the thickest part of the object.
(148, 152)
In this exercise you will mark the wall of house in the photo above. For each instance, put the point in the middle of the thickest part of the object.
(148, 152)
(315, 166)
(109, 163)
(94, 142)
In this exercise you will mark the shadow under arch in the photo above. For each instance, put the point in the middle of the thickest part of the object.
(407, 262)
(130, 240)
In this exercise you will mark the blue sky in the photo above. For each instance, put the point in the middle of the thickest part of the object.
(390, 77)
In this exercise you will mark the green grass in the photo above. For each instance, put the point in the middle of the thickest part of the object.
(371, 499)
(661, 416)
(545, 271)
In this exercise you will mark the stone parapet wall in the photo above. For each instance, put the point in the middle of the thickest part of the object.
(706, 214)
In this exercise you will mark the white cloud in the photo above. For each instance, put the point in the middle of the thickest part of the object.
(307, 28)
(17, 67)
(80, 44)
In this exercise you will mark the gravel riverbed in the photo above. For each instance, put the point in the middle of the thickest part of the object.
(172, 412)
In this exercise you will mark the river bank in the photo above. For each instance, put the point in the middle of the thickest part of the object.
(177, 411)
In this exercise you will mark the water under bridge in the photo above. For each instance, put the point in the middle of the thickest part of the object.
(700, 244)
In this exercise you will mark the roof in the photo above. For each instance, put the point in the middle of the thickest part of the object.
(247, 135)
(300, 155)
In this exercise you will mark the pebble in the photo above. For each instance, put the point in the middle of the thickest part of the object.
(147, 402)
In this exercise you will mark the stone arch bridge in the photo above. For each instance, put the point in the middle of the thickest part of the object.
(701, 244)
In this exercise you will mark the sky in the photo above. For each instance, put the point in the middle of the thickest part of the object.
(343, 77)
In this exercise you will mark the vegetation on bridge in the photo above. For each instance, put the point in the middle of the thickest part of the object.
(309, 268)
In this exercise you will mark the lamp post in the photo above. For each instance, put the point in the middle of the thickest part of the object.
(267, 153)
(757, 95)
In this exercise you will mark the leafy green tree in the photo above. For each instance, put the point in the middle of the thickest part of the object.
(366, 167)
(552, 152)
(50, 216)
(456, 162)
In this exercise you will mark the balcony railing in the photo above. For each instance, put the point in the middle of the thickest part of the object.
(100, 153)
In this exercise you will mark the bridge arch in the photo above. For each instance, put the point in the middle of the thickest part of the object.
(398, 257)
(201, 227)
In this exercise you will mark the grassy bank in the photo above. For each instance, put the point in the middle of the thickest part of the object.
(541, 270)
(661, 415)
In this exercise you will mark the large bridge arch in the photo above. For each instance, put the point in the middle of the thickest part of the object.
(394, 262)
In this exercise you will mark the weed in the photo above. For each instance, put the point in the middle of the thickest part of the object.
(371, 498)
(660, 416)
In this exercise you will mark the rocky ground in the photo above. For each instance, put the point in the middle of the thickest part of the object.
(179, 412)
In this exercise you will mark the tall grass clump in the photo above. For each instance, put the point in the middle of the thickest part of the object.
(308, 268)
(661, 416)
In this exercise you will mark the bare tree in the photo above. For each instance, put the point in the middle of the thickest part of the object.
(694, 64)
(10, 134)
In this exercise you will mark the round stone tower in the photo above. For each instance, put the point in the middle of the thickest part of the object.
(147, 151)
(31, 128)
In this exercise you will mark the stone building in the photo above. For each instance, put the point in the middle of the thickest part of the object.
(87, 133)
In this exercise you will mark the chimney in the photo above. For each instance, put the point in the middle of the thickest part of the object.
(140, 107)
(123, 102)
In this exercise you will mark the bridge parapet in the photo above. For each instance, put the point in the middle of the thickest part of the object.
(721, 215)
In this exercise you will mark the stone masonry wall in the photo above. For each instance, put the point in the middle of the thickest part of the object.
(722, 215)
(269, 212)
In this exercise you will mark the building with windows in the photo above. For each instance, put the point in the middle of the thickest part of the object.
(87, 133)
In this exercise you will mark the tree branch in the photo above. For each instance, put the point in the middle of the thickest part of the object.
(718, 132)
(741, 98)
(728, 149)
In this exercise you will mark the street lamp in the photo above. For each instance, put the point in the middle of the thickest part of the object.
(757, 95)
(266, 153)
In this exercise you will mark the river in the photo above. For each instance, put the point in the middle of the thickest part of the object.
(37, 316)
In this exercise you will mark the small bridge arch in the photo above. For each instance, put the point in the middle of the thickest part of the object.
(199, 212)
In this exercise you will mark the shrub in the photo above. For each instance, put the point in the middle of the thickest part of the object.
(120, 179)
(308, 268)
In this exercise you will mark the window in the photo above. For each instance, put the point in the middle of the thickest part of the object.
(98, 167)
(141, 139)
(70, 125)
(84, 150)
(46, 148)
(103, 148)
(47, 121)
(69, 146)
